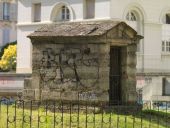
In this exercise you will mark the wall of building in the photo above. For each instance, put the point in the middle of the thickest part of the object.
(24, 48)
(153, 89)
(11, 84)
(150, 15)
(9, 24)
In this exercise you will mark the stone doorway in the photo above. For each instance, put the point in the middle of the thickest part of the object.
(115, 75)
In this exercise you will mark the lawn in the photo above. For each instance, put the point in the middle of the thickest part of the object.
(43, 118)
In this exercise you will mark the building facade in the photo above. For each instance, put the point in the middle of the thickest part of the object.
(150, 19)
(8, 21)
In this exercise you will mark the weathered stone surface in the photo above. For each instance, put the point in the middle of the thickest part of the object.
(78, 67)
(27, 83)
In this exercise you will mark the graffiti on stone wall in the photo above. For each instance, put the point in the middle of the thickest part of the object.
(74, 66)
(87, 96)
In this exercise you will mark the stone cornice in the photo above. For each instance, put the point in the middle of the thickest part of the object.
(153, 74)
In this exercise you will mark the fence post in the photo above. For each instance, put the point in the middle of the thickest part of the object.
(78, 111)
(23, 113)
(46, 112)
(54, 113)
(70, 114)
(102, 117)
(62, 114)
(150, 118)
(166, 114)
(118, 115)
(158, 112)
(7, 116)
(31, 114)
(110, 119)
(0, 112)
(94, 120)
(38, 114)
(86, 114)
(15, 115)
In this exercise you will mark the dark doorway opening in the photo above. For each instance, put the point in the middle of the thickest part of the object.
(115, 75)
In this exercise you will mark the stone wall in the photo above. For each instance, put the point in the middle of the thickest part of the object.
(78, 72)
(69, 72)
(128, 78)
(130, 82)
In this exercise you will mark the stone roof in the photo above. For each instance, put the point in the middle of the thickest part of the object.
(78, 29)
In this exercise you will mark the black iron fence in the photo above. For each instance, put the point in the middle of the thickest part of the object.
(59, 114)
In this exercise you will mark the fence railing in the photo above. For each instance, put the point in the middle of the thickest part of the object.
(60, 114)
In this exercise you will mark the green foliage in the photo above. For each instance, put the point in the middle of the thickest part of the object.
(161, 114)
(5, 46)
(8, 57)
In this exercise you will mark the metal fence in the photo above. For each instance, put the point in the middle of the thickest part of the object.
(60, 114)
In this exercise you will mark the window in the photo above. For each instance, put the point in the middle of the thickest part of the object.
(166, 87)
(6, 34)
(131, 16)
(89, 9)
(168, 18)
(61, 12)
(37, 12)
(6, 11)
(165, 46)
(65, 13)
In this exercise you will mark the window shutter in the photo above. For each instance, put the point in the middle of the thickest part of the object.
(13, 12)
(1, 10)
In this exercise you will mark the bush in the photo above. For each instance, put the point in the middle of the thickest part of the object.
(8, 59)
(5, 47)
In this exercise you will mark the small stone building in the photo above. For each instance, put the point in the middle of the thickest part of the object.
(84, 61)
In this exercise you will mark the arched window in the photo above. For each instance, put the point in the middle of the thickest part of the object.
(165, 16)
(65, 13)
(165, 20)
(134, 18)
(62, 12)
(131, 16)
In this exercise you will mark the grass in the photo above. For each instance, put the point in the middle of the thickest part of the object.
(148, 119)
(160, 114)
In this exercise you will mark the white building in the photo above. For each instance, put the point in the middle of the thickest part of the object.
(8, 20)
(150, 18)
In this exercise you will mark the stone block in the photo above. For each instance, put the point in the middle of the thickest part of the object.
(27, 83)
(29, 94)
